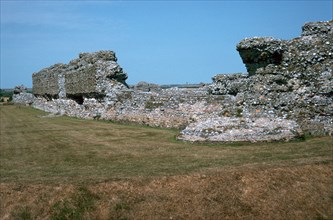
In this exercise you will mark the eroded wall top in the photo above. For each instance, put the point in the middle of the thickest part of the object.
(90, 75)
(311, 52)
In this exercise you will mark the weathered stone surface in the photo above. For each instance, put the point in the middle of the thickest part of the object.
(90, 75)
(22, 97)
(147, 87)
(312, 53)
(317, 28)
(300, 87)
(260, 52)
(231, 84)
(241, 129)
(46, 82)
(20, 89)
(289, 87)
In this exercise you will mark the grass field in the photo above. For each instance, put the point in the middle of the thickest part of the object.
(68, 168)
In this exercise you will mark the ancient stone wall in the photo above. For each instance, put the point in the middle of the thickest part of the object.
(81, 81)
(298, 85)
(45, 82)
(311, 53)
(260, 52)
(288, 90)
(90, 75)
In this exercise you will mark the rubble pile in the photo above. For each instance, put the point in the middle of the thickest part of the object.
(234, 129)
(21, 95)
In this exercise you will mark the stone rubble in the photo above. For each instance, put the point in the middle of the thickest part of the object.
(21, 96)
(234, 129)
(288, 92)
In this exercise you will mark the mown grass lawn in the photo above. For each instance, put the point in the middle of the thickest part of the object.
(37, 150)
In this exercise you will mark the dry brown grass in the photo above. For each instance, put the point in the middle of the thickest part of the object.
(52, 167)
(299, 192)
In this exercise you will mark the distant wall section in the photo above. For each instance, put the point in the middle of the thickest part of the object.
(91, 75)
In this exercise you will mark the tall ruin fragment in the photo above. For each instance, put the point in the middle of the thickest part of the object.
(92, 75)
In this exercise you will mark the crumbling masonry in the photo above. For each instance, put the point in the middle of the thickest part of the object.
(288, 91)
(91, 75)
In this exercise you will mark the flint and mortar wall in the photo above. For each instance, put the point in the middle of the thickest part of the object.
(298, 85)
(90, 75)
(287, 80)
(81, 81)
(45, 82)
(311, 53)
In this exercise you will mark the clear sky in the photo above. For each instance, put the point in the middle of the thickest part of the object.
(161, 42)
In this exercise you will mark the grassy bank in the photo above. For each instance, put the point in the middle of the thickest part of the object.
(58, 166)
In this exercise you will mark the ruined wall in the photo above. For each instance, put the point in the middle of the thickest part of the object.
(81, 81)
(288, 90)
(260, 52)
(298, 85)
(45, 82)
(90, 75)
(311, 53)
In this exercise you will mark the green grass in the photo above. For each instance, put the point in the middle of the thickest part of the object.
(36, 149)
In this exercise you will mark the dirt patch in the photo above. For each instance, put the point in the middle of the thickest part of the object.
(246, 192)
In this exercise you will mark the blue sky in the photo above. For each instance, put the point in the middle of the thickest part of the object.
(155, 41)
